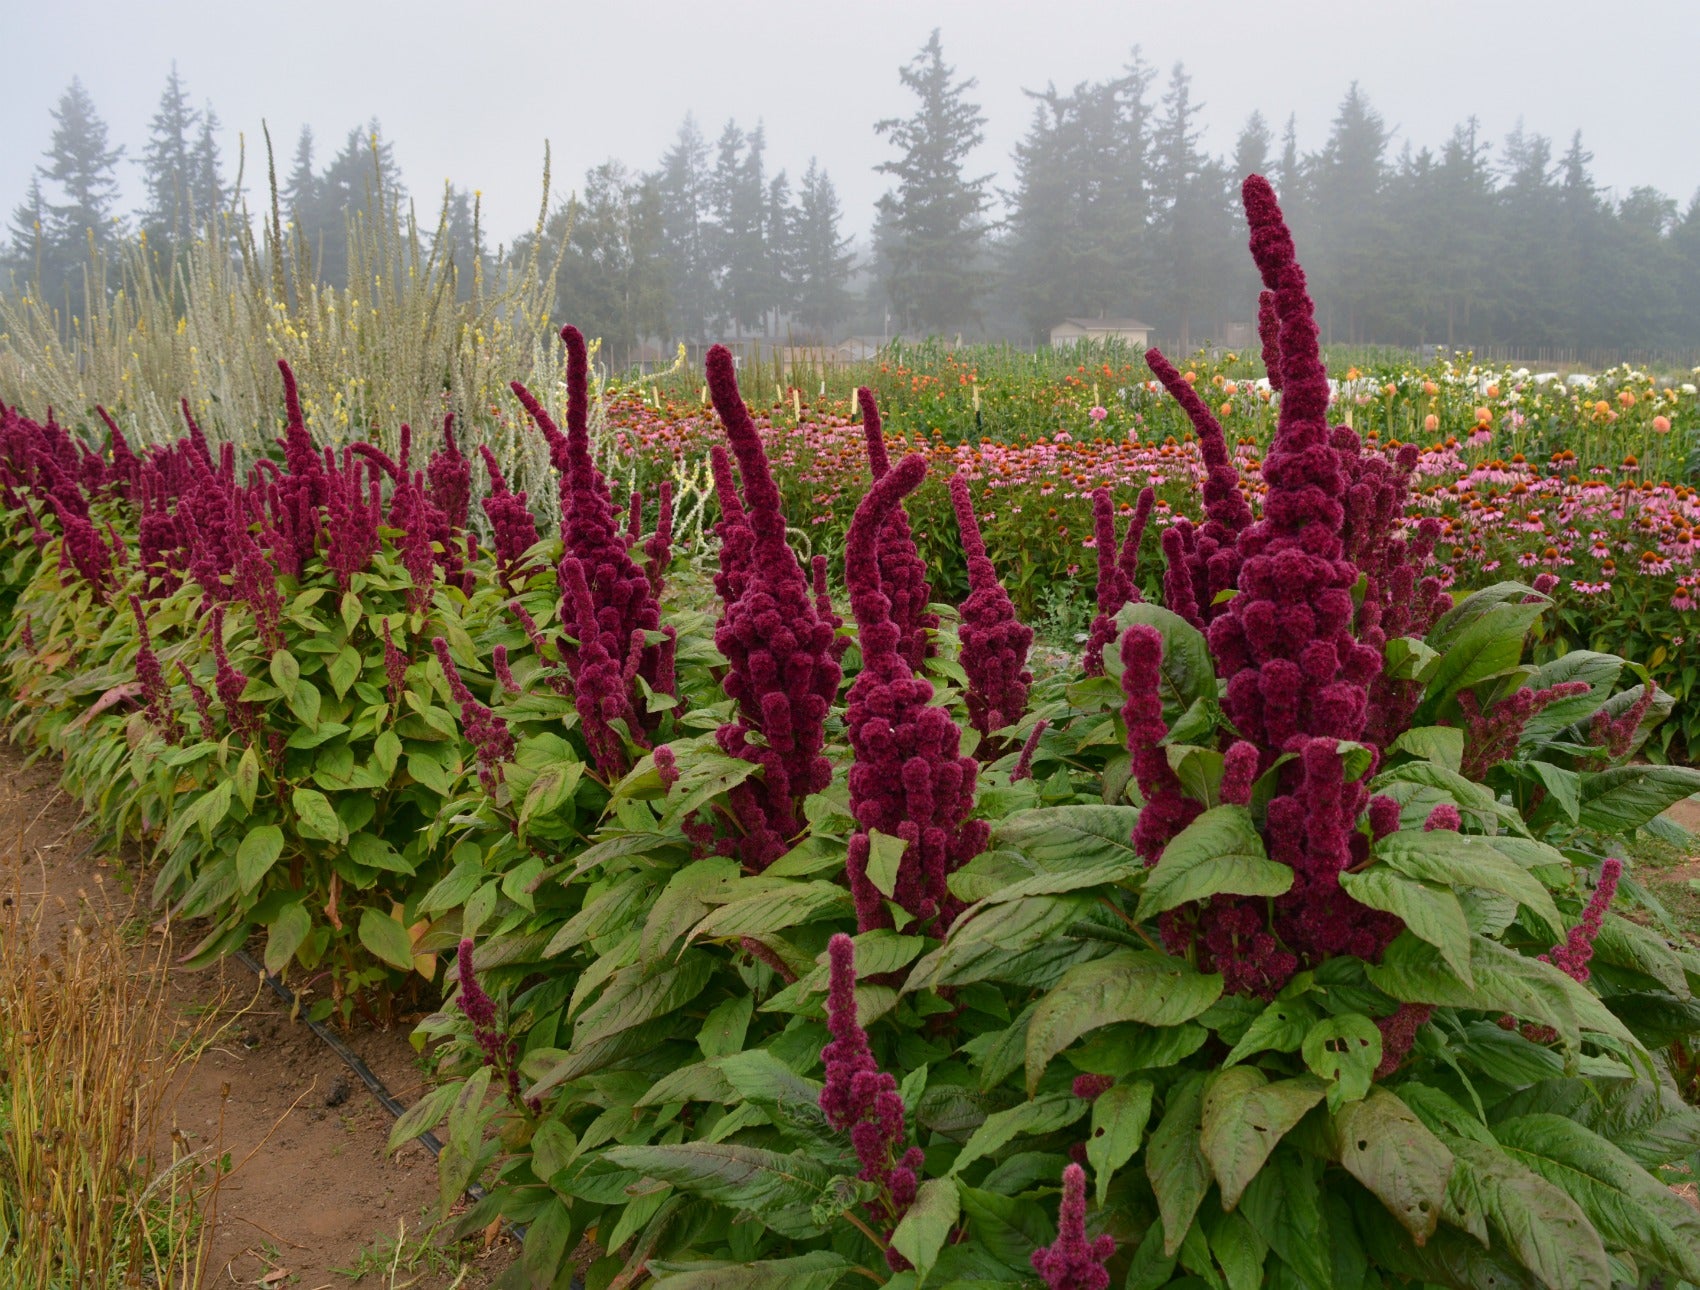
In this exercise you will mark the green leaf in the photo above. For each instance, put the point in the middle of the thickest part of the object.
(285, 935)
(1126, 985)
(553, 788)
(286, 672)
(424, 1115)
(351, 609)
(988, 936)
(1632, 1210)
(816, 1270)
(553, 1147)
(1564, 787)
(1600, 671)
(304, 702)
(1462, 860)
(1489, 646)
(1283, 1204)
(1179, 1173)
(927, 1224)
(386, 938)
(723, 1029)
(1186, 673)
(1505, 982)
(314, 817)
(459, 1158)
(792, 905)
(372, 852)
(1428, 910)
(1541, 1224)
(1441, 744)
(641, 993)
(344, 669)
(257, 854)
(247, 778)
(885, 858)
(1382, 1143)
(1119, 1116)
(1044, 1115)
(1649, 1121)
(1244, 1117)
(1623, 798)
(1219, 853)
(1281, 1026)
(1344, 1050)
(763, 1182)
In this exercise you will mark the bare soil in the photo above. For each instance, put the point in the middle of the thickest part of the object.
(314, 1197)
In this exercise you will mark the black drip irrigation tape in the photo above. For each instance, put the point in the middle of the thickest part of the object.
(368, 1077)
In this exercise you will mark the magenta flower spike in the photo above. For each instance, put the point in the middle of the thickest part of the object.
(485, 731)
(908, 780)
(1072, 1262)
(903, 574)
(994, 641)
(1116, 570)
(783, 669)
(1578, 948)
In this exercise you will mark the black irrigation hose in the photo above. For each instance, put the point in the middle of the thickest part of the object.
(351, 1059)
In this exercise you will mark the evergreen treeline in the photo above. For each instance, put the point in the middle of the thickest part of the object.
(1114, 209)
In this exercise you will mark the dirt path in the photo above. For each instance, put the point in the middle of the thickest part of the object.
(315, 1198)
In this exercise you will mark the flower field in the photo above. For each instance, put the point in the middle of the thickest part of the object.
(778, 921)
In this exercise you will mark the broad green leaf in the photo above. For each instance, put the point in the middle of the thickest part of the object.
(1599, 671)
(980, 943)
(1283, 1204)
(1626, 944)
(424, 1115)
(459, 1158)
(386, 938)
(763, 1182)
(553, 1147)
(344, 669)
(1344, 1050)
(1473, 606)
(1382, 1143)
(1179, 1173)
(1119, 1116)
(285, 935)
(1489, 646)
(314, 817)
(885, 858)
(1044, 1115)
(816, 1270)
(1219, 853)
(1505, 982)
(1623, 798)
(1428, 909)
(723, 1029)
(1538, 1222)
(304, 701)
(1462, 860)
(553, 787)
(1563, 787)
(257, 854)
(783, 908)
(641, 993)
(1649, 1121)
(1126, 985)
(374, 852)
(1186, 673)
(1632, 1209)
(1058, 837)
(927, 1224)
(286, 672)
(1441, 744)
(1281, 1026)
(1244, 1117)
(247, 778)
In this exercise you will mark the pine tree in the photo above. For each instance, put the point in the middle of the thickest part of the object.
(933, 218)
(360, 189)
(682, 185)
(27, 248)
(779, 282)
(821, 258)
(459, 238)
(1351, 220)
(206, 169)
(728, 212)
(168, 165)
(51, 241)
(612, 282)
(1251, 149)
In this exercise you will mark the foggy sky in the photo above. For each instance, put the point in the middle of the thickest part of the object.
(470, 91)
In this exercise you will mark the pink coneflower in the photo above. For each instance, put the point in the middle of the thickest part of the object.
(1591, 588)
(1683, 600)
(1098, 414)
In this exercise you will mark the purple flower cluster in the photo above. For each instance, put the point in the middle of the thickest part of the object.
(903, 574)
(487, 732)
(1615, 736)
(783, 667)
(244, 717)
(909, 780)
(511, 522)
(156, 692)
(1116, 570)
(994, 641)
(1024, 763)
(1205, 562)
(1578, 948)
(1398, 1033)
(1491, 736)
(501, 1050)
(1072, 1262)
(860, 1098)
(1167, 808)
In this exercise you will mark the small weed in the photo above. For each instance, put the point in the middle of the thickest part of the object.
(413, 1257)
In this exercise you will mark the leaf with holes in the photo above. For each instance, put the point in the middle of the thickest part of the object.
(1381, 1142)
(1244, 1117)
(1345, 1051)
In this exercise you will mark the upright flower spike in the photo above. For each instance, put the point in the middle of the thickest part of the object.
(244, 717)
(783, 671)
(601, 693)
(1073, 1262)
(1578, 948)
(1212, 561)
(501, 1051)
(909, 780)
(1269, 333)
(1167, 808)
(994, 641)
(903, 574)
(152, 679)
(658, 547)
(449, 474)
(485, 731)
(299, 454)
(860, 1098)
(621, 599)
(1117, 585)
(511, 521)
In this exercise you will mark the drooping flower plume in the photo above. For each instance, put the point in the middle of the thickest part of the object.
(994, 641)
